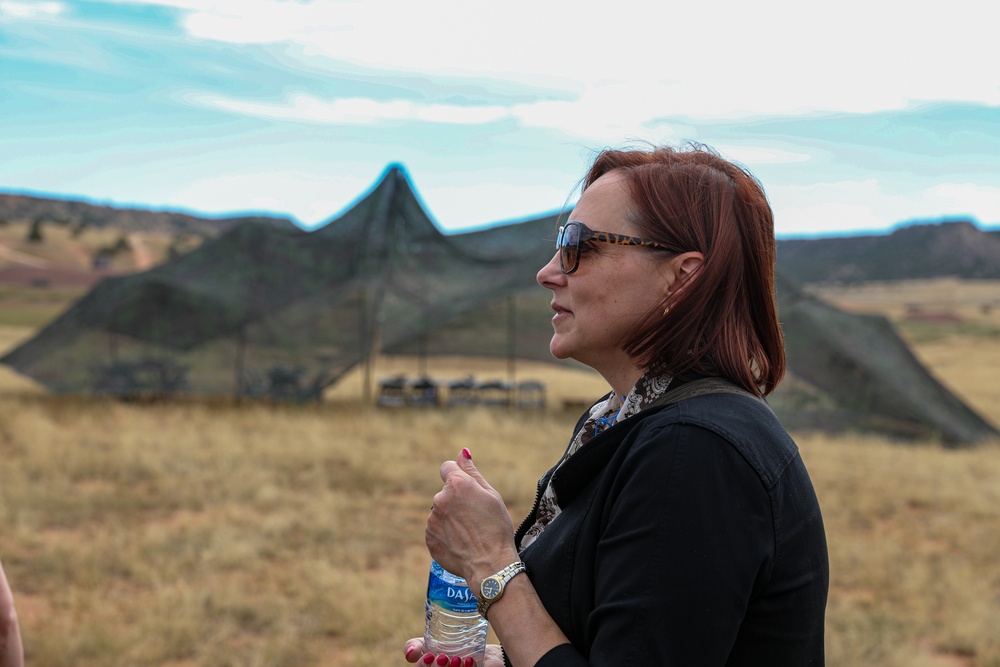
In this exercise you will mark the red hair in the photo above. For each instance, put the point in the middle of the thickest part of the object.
(724, 320)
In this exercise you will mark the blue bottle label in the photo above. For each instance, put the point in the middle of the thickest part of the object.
(449, 591)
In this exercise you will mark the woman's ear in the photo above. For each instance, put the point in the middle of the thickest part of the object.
(690, 262)
(683, 267)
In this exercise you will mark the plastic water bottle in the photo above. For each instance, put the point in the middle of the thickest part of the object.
(454, 626)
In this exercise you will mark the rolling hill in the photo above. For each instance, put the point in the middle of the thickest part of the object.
(957, 249)
(76, 213)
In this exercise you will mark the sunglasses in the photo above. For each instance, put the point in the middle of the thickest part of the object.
(574, 232)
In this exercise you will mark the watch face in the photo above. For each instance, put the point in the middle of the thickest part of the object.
(490, 588)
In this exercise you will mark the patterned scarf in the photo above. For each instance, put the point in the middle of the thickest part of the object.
(603, 415)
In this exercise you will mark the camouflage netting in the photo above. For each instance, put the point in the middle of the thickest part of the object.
(855, 372)
(284, 313)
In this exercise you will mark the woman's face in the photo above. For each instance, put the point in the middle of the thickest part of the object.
(615, 287)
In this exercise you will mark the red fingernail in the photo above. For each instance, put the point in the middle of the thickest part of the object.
(456, 662)
(429, 658)
(466, 453)
(470, 661)
(409, 650)
(443, 660)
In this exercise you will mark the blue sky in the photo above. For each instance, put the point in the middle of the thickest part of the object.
(857, 116)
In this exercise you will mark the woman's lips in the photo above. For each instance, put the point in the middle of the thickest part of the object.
(560, 312)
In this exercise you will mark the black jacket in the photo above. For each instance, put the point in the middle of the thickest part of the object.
(689, 535)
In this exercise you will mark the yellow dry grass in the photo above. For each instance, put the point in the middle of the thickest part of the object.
(978, 300)
(914, 543)
(218, 535)
(192, 534)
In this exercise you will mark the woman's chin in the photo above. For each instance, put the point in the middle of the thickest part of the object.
(562, 350)
(558, 350)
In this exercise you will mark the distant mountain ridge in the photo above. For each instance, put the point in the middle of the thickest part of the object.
(29, 208)
(957, 248)
(945, 249)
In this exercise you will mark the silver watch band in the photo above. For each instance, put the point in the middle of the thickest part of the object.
(503, 576)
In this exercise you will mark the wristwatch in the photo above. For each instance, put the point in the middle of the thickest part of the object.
(492, 587)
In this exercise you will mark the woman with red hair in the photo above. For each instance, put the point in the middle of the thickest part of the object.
(680, 526)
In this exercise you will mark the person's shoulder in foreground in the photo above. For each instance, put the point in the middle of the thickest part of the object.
(11, 650)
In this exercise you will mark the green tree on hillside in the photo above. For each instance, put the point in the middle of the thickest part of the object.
(35, 234)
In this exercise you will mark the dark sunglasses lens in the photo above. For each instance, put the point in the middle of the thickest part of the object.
(569, 247)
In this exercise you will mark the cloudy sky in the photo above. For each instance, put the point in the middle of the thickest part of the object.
(856, 115)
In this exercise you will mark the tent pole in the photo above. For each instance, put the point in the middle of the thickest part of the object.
(373, 353)
(422, 359)
(511, 348)
(241, 344)
(377, 262)
(374, 344)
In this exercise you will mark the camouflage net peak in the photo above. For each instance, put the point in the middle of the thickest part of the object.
(278, 312)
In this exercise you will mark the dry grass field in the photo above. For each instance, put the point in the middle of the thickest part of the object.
(209, 534)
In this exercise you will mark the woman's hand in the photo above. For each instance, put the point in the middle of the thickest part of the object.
(414, 652)
(469, 531)
(11, 650)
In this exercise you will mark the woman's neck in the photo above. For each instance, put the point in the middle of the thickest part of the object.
(623, 378)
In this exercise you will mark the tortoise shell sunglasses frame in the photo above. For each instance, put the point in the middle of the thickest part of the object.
(574, 232)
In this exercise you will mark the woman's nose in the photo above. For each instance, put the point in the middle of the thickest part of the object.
(551, 276)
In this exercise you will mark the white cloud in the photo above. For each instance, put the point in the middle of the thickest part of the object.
(353, 110)
(650, 72)
(604, 112)
(309, 197)
(594, 118)
(613, 82)
(837, 207)
(461, 207)
(983, 202)
(752, 156)
(826, 217)
(313, 199)
(747, 58)
(31, 10)
(864, 206)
